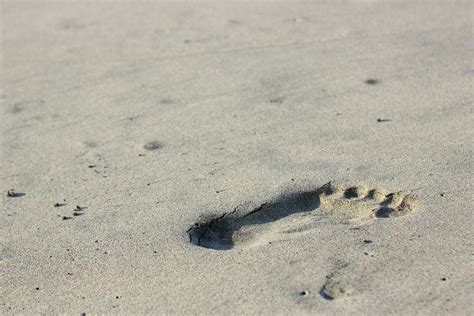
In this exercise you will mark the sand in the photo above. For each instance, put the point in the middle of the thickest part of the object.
(236, 158)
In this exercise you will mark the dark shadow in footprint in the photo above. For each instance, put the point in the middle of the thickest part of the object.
(351, 193)
(384, 212)
(217, 233)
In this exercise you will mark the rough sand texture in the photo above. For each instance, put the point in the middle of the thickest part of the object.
(126, 123)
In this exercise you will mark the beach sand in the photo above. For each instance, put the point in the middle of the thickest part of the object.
(236, 158)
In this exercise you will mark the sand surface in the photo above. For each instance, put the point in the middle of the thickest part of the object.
(229, 158)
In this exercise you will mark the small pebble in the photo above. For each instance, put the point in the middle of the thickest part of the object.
(152, 145)
(13, 193)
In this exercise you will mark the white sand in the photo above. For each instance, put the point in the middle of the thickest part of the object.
(245, 102)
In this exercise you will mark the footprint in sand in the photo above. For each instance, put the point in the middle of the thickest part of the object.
(295, 213)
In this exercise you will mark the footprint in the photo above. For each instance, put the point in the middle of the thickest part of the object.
(295, 213)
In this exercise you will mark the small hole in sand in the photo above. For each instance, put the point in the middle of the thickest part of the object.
(372, 82)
